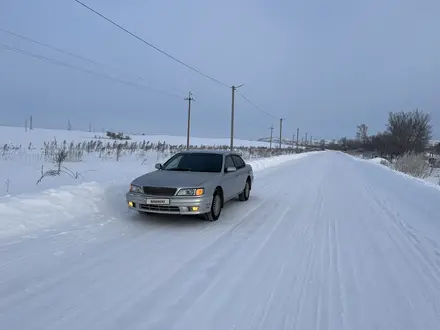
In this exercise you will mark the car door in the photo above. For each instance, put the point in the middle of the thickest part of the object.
(230, 179)
(241, 171)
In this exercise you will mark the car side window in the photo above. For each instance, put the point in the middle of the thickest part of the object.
(229, 162)
(238, 161)
(174, 162)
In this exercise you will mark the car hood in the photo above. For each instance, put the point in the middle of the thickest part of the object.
(174, 179)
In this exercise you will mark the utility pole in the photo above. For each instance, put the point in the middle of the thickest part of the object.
(305, 139)
(189, 99)
(31, 127)
(293, 140)
(311, 140)
(297, 137)
(25, 125)
(271, 135)
(69, 125)
(234, 88)
(90, 127)
(281, 130)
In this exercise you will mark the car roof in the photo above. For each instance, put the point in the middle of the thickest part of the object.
(204, 151)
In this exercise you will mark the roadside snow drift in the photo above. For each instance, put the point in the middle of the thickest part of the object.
(30, 212)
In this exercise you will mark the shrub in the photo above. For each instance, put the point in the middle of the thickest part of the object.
(413, 164)
(385, 162)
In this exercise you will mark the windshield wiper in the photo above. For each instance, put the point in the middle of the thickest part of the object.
(180, 169)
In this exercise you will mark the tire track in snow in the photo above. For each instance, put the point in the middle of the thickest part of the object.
(405, 236)
(43, 285)
(400, 268)
(130, 304)
(410, 251)
(216, 254)
(241, 274)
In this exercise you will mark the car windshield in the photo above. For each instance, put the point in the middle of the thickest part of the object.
(194, 162)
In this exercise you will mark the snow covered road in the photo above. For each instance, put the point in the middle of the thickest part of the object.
(325, 242)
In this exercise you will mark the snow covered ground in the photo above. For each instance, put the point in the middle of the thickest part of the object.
(21, 167)
(25, 212)
(38, 136)
(432, 179)
(326, 241)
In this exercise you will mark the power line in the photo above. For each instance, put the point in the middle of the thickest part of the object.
(90, 72)
(88, 60)
(51, 47)
(151, 45)
(256, 106)
(102, 65)
(167, 54)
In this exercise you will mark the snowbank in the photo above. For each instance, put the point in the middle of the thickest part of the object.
(28, 212)
(23, 213)
(381, 161)
(427, 182)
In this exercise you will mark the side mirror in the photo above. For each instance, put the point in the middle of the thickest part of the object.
(158, 166)
(231, 169)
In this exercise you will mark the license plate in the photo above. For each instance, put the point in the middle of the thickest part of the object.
(158, 201)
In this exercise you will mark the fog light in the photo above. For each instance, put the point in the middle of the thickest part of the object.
(195, 208)
(131, 204)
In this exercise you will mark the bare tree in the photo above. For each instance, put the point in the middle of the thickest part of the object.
(119, 149)
(59, 159)
(362, 133)
(409, 131)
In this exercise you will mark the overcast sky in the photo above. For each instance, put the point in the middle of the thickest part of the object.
(326, 66)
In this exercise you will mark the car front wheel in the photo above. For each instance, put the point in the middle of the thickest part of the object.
(216, 207)
(244, 195)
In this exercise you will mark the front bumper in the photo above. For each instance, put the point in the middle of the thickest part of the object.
(180, 205)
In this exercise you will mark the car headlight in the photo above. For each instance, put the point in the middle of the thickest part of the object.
(136, 189)
(191, 192)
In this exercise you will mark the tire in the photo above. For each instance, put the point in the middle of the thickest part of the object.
(216, 207)
(244, 195)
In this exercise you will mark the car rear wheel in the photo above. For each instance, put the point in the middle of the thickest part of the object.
(216, 207)
(244, 195)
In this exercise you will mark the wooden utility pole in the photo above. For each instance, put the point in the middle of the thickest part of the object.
(189, 99)
(234, 88)
(271, 135)
(305, 140)
(281, 130)
(297, 137)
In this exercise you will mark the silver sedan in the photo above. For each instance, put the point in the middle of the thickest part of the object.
(192, 183)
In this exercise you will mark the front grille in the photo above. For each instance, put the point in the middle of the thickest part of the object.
(162, 208)
(159, 191)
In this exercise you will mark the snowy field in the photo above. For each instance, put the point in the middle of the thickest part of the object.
(22, 159)
(326, 241)
(18, 135)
